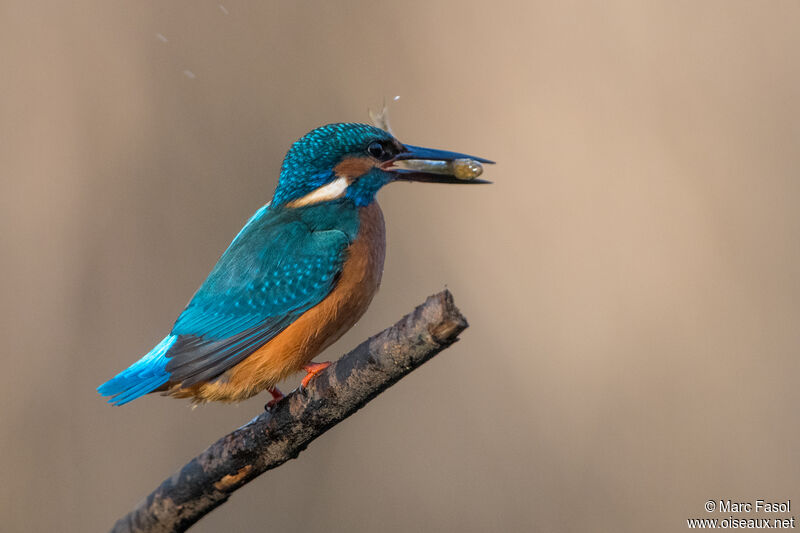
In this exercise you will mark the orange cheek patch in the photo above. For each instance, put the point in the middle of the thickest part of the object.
(354, 167)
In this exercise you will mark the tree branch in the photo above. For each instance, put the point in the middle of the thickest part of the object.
(275, 436)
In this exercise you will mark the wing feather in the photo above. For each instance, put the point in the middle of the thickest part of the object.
(278, 267)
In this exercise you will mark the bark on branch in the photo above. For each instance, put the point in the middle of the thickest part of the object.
(274, 437)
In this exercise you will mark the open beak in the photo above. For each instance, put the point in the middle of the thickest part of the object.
(435, 166)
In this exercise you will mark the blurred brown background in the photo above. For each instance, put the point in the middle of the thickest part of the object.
(631, 278)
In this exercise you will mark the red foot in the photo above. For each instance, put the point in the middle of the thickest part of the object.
(276, 397)
(313, 369)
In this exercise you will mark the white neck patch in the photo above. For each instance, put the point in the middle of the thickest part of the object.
(330, 191)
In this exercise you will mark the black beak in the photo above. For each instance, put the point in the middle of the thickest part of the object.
(435, 166)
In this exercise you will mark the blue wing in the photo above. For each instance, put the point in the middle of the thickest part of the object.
(282, 263)
(281, 266)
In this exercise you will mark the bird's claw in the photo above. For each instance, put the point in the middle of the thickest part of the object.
(313, 369)
(277, 396)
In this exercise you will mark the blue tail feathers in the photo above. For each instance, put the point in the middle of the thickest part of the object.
(143, 376)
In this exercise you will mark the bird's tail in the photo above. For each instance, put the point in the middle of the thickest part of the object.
(143, 376)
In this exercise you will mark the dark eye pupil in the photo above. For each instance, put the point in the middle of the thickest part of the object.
(375, 150)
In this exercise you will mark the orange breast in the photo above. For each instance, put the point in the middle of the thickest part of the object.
(314, 330)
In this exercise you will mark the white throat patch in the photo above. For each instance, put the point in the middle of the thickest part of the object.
(330, 191)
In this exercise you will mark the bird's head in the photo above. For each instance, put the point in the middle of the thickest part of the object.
(354, 161)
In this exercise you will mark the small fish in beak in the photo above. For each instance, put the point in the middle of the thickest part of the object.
(436, 166)
(462, 168)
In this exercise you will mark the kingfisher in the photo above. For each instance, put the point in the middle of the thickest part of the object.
(296, 277)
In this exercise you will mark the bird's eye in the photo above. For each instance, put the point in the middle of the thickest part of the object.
(376, 150)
